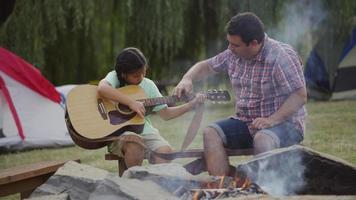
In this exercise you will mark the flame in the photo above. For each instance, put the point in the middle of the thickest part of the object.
(209, 185)
(221, 184)
(236, 182)
(196, 195)
(246, 183)
(215, 188)
(233, 184)
(242, 182)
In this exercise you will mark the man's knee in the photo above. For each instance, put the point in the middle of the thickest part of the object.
(263, 142)
(263, 137)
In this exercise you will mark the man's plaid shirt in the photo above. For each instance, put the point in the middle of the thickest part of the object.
(263, 84)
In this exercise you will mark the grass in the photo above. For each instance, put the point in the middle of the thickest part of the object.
(331, 129)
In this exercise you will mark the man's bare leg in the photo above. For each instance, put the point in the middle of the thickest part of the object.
(214, 152)
(133, 154)
(157, 159)
(263, 142)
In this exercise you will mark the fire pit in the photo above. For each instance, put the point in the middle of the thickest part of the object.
(222, 187)
(286, 172)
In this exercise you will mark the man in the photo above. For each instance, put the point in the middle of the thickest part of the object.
(267, 78)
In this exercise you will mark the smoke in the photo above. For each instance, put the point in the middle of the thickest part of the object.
(279, 174)
(287, 179)
(299, 20)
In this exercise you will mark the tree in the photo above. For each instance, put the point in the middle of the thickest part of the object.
(76, 41)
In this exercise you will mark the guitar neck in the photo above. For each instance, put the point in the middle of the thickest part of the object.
(215, 96)
(160, 100)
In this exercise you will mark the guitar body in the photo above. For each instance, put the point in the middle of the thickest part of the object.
(95, 119)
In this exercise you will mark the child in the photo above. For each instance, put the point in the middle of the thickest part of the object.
(130, 69)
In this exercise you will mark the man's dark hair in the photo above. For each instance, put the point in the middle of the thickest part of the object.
(128, 61)
(246, 25)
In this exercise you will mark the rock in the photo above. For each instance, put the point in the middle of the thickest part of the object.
(79, 182)
(166, 169)
(170, 176)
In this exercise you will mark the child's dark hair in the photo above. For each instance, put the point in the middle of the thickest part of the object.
(128, 61)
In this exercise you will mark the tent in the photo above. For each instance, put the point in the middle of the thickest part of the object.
(330, 70)
(31, 115)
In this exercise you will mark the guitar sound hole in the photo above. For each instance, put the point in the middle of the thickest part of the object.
(119, 118)
(124, 109)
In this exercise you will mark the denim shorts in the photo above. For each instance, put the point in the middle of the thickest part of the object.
(236, 135)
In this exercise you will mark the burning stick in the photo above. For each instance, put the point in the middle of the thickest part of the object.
(197, 195)
(210, 190)
(208, 193)
(180, 191)
(247, 188)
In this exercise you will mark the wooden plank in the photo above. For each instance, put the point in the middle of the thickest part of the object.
(198, 153)
(194, 167)
(25, 186)
(192, 153)
(24, 179)
(27, 171)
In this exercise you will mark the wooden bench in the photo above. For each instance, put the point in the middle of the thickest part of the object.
(25, 179)
(195, 167)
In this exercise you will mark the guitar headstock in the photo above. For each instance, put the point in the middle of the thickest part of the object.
(218, 95)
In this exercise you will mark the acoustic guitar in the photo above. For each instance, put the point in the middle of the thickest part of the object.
(94, 121)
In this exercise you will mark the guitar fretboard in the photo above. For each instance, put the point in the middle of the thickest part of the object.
(217, 96)
(160, 100)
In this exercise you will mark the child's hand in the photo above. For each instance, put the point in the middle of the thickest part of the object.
(138, 107)
(198, 99)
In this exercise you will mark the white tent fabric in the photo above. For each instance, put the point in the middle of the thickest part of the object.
(348, 63)
(42, 120)
(63, 91)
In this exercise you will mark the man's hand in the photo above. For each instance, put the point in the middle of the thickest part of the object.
(138, 107)
(261, 123)
(185, 86)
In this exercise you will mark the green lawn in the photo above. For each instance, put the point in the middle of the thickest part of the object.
(331, 129)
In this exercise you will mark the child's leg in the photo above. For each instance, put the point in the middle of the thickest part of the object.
(156, 142)
(130, 147)
(133, 154)
(157, 159)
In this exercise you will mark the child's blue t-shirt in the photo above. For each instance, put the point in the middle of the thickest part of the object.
(151, 91)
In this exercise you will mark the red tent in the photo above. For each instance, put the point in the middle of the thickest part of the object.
(31, 115)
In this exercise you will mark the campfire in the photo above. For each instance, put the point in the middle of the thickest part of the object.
(220, 187)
